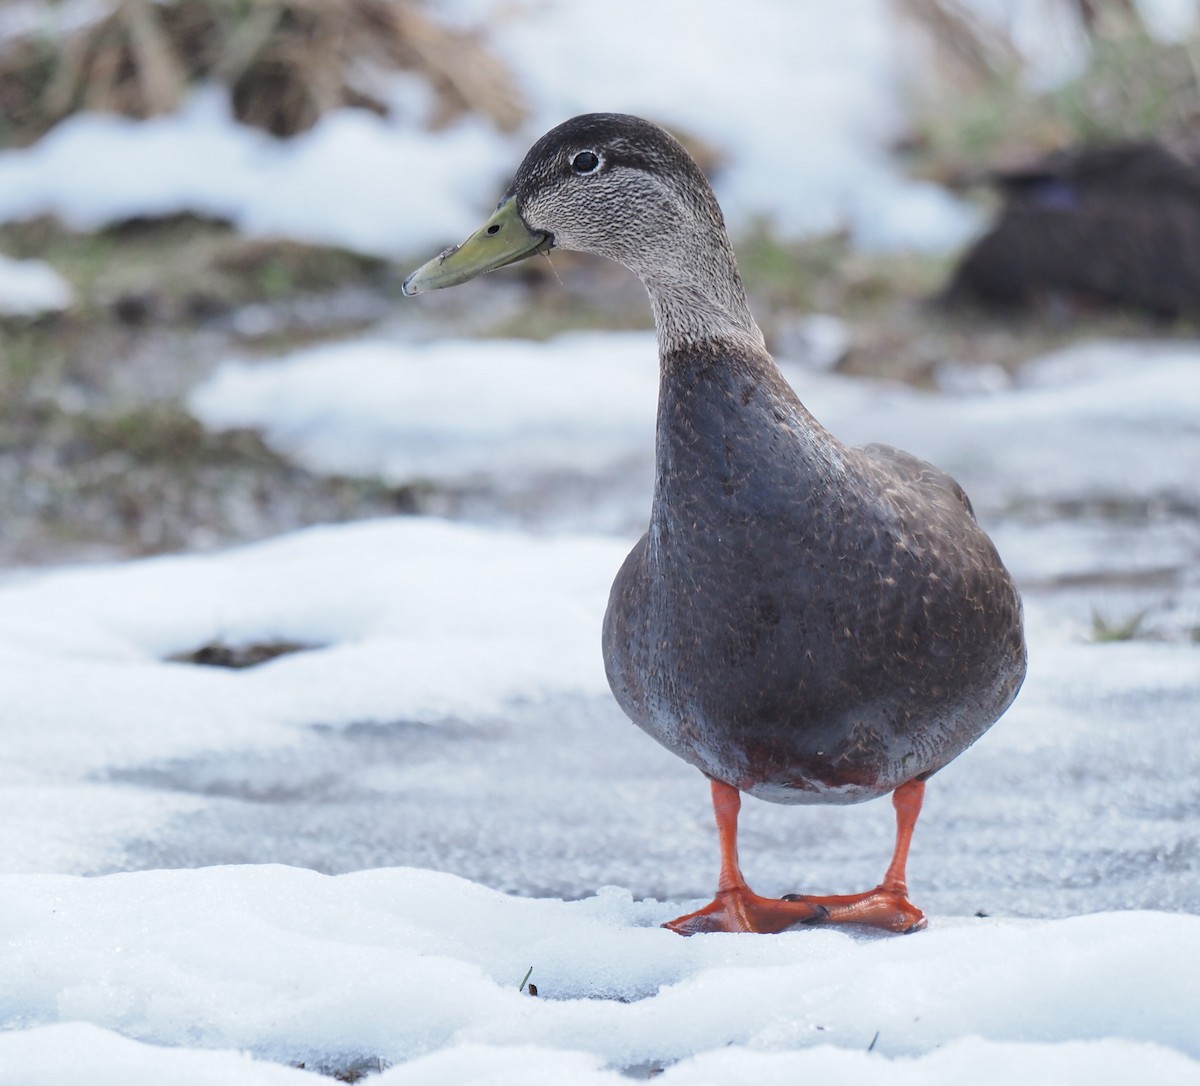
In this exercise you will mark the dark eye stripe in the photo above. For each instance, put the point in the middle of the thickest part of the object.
(585, 162)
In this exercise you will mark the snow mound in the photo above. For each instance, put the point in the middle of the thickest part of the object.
(455, 620)
(447, 409)
(29, 288)
(409, 620)
(333, 185)
(394, 965)
(1107, 420)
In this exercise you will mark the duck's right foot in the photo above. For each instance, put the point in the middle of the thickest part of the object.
(741, 909)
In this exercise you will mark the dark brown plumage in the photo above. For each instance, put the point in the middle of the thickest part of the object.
(807, 622)
(803, 621)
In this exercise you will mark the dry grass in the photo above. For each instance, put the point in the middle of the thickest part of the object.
(977, 111)
(286, 63)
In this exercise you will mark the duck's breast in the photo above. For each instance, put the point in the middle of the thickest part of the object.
(807, 622)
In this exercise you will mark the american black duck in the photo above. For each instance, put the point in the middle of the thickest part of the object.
(803, 621)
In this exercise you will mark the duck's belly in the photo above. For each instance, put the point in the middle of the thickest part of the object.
(822, 690)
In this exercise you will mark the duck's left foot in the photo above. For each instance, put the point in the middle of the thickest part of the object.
(885, 908)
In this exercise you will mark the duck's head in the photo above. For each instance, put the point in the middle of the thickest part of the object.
(604, 183)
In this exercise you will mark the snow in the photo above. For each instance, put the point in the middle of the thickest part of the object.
(279, 963)
(830, 75)
(389, 187)
(29, 288)
(410, 639)
(974, 1060)
(95, 169)
(446, 409)
(1169, 20)
(802, 129)
(446, 755)
(1113, 420)
(21, 18)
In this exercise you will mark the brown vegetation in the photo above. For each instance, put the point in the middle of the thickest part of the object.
(286, 63)
(977, 111)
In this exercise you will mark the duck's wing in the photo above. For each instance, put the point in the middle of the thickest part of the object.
(910, 471)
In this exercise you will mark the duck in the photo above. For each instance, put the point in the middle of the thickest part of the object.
(1107, 225)
(804, 621)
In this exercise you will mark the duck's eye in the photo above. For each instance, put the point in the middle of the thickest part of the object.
(585, 162)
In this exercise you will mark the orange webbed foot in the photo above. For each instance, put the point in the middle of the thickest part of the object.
(885, 908)
(740, 909)
(737, 908)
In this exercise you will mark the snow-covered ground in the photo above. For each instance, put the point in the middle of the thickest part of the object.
(447, 738)
(29, 288)
(348, 857)
(284, 963)
(1106, 420)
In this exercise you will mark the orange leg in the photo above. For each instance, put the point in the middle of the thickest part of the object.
(887, 906)
(737, 908)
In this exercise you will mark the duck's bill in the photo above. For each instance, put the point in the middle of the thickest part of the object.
(503, 239)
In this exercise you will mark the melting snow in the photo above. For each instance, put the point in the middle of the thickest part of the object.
(29, 288)
(407, 965)
(1118, 421)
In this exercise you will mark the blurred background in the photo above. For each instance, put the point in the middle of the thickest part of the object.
(931, 192)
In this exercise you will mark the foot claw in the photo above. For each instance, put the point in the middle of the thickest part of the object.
(819, 916)
(695, 924)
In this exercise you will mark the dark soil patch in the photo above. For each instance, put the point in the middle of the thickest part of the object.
(220, 654)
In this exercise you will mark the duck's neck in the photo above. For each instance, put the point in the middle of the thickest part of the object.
(698, 296)
(686, 317)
